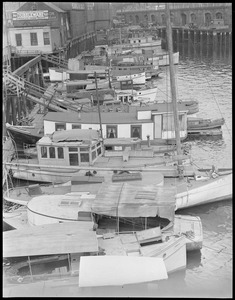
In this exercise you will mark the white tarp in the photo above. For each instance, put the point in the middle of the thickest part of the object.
(120, 270)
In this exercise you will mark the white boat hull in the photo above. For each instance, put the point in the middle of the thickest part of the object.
(137, 78)
(219, 189)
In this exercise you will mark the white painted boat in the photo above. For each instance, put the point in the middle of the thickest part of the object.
(102, 270)
(138, 78)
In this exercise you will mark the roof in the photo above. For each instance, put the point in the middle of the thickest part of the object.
(103, 270)
(53, 6)
(60, 238)
(74, 135)
(93, 118)
(126, 200)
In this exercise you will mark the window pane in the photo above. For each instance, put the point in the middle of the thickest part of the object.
(46, 38)
(33, 38)
(73, 149)
(18, 39)
(76, 126)
(52, 152)
(73, 159)
(93, 155)
(60, 152)
(84, 149)
(84, 157)
(59, 127)
(44, 152)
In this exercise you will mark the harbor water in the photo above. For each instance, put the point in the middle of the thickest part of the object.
(209, 271)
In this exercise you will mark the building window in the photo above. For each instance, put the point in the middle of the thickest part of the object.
(60, 126)
(136, 131)
(18, 39)
(193, 18)
(60, 152)
(33, 38)
(52, 152)
(111, 132)
(46, 38)
(219, 15)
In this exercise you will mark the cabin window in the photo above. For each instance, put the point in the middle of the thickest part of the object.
(33, 38)
(60, 126)
(44, 152)
(60, 152)
(111, 131)
(73, 149)
(51, 152)
(136, 131)
(73, 159)
(76, 126)
(84, 157)
(93, 155)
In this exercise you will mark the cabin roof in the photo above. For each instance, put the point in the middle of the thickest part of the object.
(93, 118)
(126, 200)
(60, 238)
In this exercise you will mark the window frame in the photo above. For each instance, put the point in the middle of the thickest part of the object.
(33, 41)
(46, 38)
(18, 40)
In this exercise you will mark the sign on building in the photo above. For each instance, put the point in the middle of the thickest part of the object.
(30, 15)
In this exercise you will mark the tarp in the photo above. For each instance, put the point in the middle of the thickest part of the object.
(120, 270)
(126, 200)
(74, 135)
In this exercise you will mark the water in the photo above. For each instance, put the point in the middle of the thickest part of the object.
(209, 271)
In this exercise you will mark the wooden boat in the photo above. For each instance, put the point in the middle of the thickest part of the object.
(137, 78)
(57, 161)
(74, 244)
(24, 134)
(198, 124)
(111, 206)
(144, 95)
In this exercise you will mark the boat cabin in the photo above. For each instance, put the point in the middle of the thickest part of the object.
(154, 122)
(69, 148)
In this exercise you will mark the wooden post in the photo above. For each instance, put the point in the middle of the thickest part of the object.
(201, 43)
(215, 45)
(13, 109)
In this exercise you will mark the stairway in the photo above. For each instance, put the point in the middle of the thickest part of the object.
(45, 97)
(55, 60)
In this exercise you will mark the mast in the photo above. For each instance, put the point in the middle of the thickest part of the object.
(98, 101)
(173, 90)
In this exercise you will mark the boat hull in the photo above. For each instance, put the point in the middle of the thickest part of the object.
(216, 190)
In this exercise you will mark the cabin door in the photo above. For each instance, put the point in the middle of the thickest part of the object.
(158, 126)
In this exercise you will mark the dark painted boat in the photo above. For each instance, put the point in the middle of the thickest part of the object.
(201, 124)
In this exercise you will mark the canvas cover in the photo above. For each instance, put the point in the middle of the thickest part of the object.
(74, 135)
(126, 200)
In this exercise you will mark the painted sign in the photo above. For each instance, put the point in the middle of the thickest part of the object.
(30, 15)
(78, 5)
